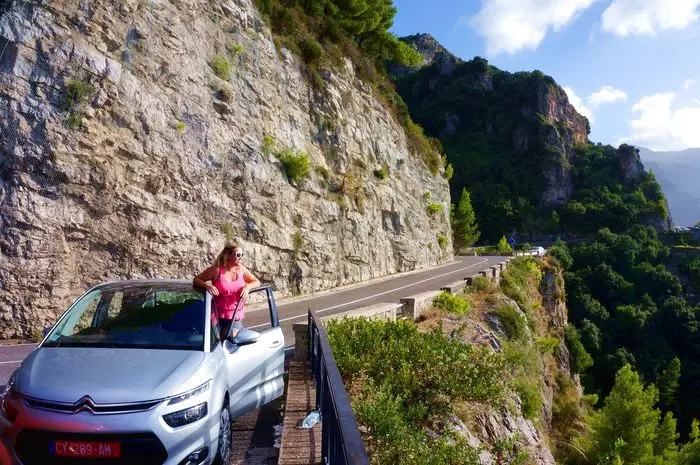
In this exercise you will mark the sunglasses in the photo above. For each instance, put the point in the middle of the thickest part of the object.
(238, 254)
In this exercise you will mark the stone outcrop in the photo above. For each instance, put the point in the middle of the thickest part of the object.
(432, 52)
(124, 155)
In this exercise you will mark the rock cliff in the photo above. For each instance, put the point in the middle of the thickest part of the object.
(139, 136)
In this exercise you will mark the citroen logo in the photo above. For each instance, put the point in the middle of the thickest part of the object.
(84, 403)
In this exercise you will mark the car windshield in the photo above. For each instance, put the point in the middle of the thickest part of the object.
(135, 315)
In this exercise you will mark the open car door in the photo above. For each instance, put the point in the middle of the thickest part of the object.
(255, 359)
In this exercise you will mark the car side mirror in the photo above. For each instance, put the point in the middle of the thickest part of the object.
(246, 336)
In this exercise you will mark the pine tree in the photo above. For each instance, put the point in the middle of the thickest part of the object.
(667, 382)
(464, 226)
(629, 415)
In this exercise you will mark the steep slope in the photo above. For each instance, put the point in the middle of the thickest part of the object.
(521, 149)
(677, 172)
(137, 137)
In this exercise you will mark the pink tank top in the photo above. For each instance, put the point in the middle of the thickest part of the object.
(229, 295)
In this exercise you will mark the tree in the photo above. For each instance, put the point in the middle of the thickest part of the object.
(464, 226)
(629, 415)
(667, 382)
(503, 246)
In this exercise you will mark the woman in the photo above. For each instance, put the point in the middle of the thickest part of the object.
(229, 283)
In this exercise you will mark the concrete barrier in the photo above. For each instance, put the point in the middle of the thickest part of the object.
(455, 287)
(416, 304)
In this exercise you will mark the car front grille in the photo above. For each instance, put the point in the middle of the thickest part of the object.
(97, 409)
(32, 447)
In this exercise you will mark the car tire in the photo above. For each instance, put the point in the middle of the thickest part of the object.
(223, 450)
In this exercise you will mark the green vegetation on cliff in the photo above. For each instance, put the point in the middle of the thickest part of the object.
(324, 32)
(523, 154)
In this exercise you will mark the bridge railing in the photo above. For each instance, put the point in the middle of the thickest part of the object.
(341, 442)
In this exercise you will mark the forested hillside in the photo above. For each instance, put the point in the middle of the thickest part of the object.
(522, 153)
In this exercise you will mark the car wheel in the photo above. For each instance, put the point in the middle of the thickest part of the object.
(223, 452)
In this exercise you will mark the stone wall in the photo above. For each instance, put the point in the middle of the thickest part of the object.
(165, 161)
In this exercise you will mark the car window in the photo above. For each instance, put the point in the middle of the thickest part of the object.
(135, 315)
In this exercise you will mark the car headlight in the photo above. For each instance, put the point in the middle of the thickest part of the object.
(189, 394)
(187, 416)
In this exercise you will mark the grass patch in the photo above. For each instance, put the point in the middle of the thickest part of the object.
(227, 230)
(442, 241)
(74, 121)
(296, 164)
(452, 303)
(383, 172)
(512, 321)
(221, 67)
(76, 92)
(481, 283)
(435, 208)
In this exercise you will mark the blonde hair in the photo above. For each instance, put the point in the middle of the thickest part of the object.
(221, 258)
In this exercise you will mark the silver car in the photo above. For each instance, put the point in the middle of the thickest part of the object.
(135, 373)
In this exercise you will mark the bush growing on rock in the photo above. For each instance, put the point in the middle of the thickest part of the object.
(221, 67)
(452, 303)
(296, 164)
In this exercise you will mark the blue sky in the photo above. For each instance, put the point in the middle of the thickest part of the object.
(632, 66)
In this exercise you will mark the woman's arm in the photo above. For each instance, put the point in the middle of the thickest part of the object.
(251, 282)
(210, 274)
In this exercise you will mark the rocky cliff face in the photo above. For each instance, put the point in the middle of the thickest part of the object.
(128, 150)
(432, 52)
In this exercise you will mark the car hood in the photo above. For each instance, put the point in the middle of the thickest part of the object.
(107, 375)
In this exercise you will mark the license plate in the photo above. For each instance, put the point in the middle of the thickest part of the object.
(110, 450)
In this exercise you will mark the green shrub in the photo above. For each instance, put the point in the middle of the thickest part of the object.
(227, 230)
(426, 371)
(481, 283)
(580, 358)
(297, 242)
(296, 164)
(435, 208)
(311, 51)
(74, 120)
(512, 321)
(321, 171)
(503, 246)
(530, 397)
(234, 49)
(442, 241)
(546, 344)
(179, 125)
(268, 145)
(452, 303)
(75, 93)
(426, 196)
(221, 67)
(449, 171)
(383, 172)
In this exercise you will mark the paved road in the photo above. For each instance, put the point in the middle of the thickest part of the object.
(349, 298)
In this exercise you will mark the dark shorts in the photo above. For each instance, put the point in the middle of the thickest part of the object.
(225, 324)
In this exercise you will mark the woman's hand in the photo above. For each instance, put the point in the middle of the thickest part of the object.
(244, 293)
(213, 290)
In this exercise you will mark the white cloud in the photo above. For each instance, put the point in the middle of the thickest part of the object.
(688, 83)
(638, 17)
(659, 126)
(513, 25)
(578, 104)
(606, 94)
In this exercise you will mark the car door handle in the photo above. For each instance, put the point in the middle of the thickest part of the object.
(275, 344)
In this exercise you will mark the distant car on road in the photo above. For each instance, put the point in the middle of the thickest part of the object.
(135, 373)
(538, 251)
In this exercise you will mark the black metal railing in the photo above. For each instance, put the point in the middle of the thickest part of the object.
(341, 442)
